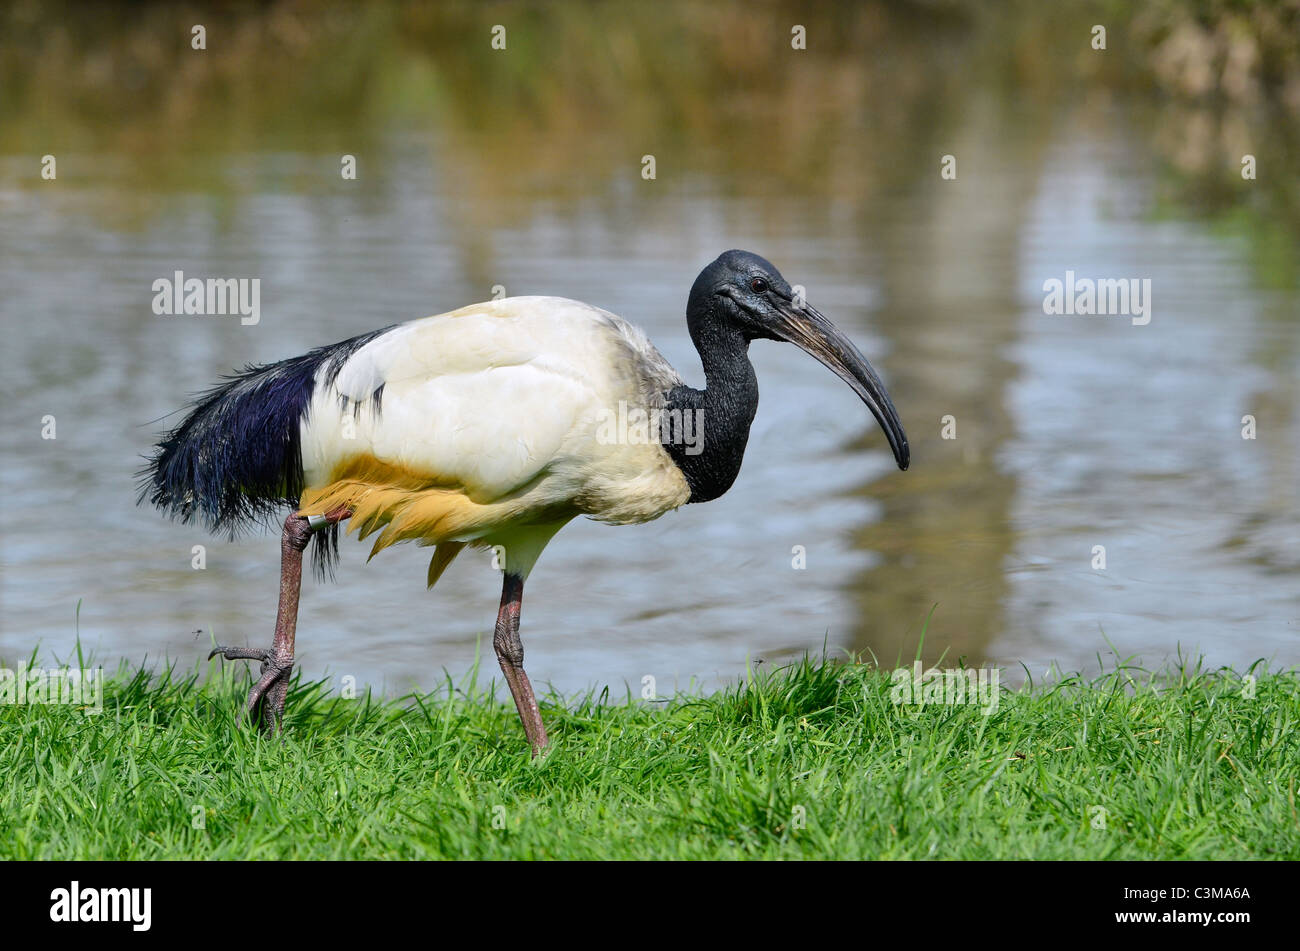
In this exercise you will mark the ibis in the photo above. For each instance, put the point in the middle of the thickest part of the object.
(489, 426)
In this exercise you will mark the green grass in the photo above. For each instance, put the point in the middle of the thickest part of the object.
(1185, 766)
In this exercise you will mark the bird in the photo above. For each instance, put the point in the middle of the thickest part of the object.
(491, 426)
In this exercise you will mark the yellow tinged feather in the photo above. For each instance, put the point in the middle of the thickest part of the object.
(403, 504)
(443, 555)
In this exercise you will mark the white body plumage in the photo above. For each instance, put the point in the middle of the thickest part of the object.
(482, 426)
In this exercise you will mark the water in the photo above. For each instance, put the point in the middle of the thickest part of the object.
(1072, 432)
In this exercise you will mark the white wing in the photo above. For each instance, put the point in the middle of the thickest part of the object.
(489, 398)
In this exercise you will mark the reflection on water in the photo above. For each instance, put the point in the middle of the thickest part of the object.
(523, 169)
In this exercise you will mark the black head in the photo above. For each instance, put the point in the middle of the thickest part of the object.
(746, 293)
(743, 288)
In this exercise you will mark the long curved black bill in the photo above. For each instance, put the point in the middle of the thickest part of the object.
(811, 332)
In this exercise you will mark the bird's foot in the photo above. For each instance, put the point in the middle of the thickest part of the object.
(266, 698)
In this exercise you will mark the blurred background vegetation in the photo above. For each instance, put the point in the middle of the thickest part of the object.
(122, 79)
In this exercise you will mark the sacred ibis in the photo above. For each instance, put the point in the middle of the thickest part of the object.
(490, 426)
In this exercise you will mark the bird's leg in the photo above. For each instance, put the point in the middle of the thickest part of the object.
(266, 698)
(510, 654)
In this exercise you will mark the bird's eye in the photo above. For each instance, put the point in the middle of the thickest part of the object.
(758, 285)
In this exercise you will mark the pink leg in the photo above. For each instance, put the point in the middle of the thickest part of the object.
(266, 699)
(510, 654)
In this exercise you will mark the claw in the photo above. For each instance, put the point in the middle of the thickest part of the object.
(271, 688)
(241, 653)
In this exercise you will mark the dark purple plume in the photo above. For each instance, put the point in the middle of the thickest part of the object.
(235, 460)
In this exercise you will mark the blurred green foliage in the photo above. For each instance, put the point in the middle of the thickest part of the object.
(711, 88)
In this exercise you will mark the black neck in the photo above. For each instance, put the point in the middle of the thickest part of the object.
(728, 404)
